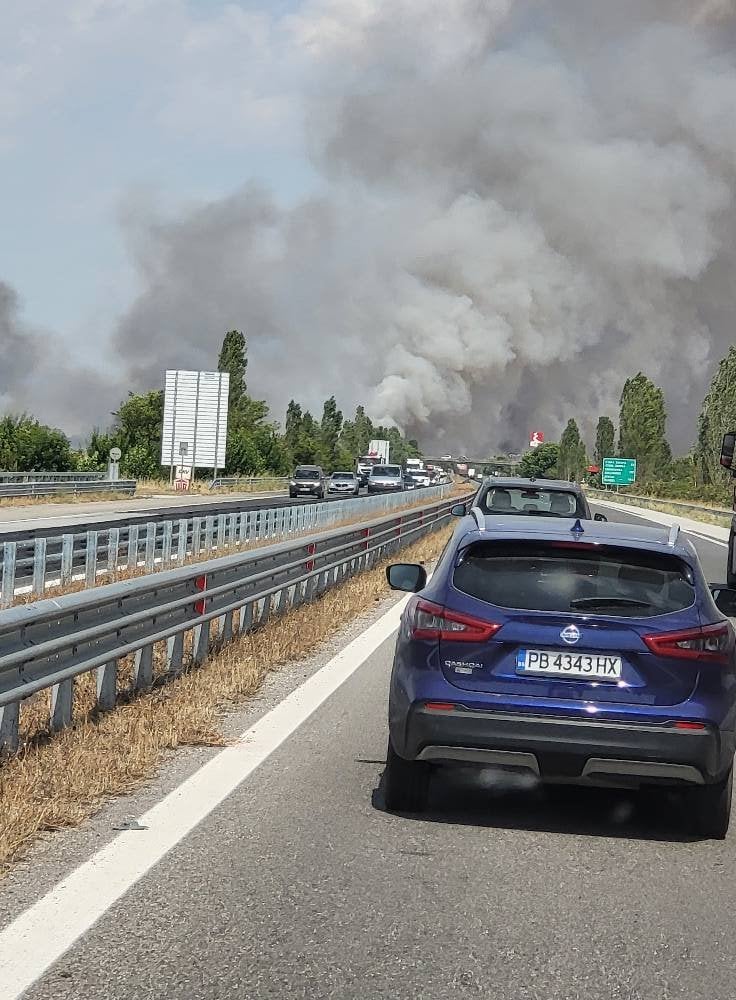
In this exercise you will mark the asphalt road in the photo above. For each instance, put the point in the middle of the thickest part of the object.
(300, 885)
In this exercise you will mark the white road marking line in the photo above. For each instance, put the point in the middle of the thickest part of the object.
(44, 932)
(663, 519)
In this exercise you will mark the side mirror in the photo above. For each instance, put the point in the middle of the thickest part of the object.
(406, 576)
(725, 599)
(727, 449)
(458, 510)
(600, 517)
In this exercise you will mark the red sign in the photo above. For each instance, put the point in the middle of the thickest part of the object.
(593, 469)
(536, 438)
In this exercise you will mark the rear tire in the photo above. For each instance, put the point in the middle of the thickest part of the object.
(406, 783)
(709, 807)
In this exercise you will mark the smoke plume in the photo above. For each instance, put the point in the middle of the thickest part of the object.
(523, 203)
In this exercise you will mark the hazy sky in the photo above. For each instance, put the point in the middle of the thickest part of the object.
(477, 216)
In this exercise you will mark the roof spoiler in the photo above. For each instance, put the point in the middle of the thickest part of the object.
(479, 518)
(673, 535)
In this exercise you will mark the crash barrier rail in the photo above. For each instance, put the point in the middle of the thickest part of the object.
(684, 505)
(32, 565)
(249, 482)
(73, 487)
(49, 477)
(48, 644)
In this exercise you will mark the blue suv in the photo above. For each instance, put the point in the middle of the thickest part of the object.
(571, 650)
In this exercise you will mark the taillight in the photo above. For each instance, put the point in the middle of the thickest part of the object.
(711, 642)
(432, 621)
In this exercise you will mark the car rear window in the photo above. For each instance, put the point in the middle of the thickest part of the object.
(541, 502)
(386, 470)
(601, 580)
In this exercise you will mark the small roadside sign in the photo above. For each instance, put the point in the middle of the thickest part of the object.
(618, 471)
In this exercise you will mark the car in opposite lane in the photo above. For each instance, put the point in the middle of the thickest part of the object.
(344, 484)
(386, 479)
(308, 480)
(579, 653)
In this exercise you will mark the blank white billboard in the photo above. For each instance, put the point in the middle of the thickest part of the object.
(195, 419)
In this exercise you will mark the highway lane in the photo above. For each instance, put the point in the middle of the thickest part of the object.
(300, 885)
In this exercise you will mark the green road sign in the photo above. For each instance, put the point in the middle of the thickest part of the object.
(618, 471)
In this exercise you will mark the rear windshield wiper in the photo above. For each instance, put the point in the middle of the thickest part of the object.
(606, 602)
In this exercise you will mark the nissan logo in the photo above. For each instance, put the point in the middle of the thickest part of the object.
(570, 635)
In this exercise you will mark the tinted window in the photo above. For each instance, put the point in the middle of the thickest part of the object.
(599, 581)
(522, 500)
(386, 470)
(306, 472)
(343, 476)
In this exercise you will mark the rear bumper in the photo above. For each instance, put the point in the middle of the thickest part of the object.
(566, 749)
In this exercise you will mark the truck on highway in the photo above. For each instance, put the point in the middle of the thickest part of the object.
(377, 454)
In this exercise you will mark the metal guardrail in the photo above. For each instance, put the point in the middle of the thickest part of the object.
(683, 504)
(50, 643)
(66, 487)
(49, 477)
(248, 482)
(33, 564)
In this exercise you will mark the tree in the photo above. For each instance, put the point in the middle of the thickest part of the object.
(234, 360)
(541, 462)
(571, 460)
(329, 434)
(642, 420)
(137, 432)
(29, 446)
(717, 416)
(605, 440)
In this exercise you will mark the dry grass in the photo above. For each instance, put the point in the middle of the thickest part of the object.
(58, 780)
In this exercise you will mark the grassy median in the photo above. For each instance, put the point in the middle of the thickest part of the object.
(58, 780)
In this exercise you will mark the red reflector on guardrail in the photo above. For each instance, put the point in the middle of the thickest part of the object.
(201, 584)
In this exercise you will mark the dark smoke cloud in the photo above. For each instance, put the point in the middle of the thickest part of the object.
(524, 204)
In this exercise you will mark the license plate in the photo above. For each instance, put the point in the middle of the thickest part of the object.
(560, 663)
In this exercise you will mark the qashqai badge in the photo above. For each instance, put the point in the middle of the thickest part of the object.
(570, 634)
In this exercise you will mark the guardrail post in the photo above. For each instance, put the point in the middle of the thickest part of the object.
(107, 681)
(181, 552)
(283, 605)
(245, 619)
(167, 544)
(7, 592)
(113, 549)
(67, 559)
(221, 532)
(201, 642)
(143, 668)
(209, 533)
(9, 716)
(175, 653)
(196, 535)
(90, 559)
(62, 695)
(242, 527)
(232, 537)
(226, 627)
(133, 547)
(150, 546)
(265, 610)
(39, 567)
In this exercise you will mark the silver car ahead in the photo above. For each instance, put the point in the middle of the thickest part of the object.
(344, 483)
(386, 479)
